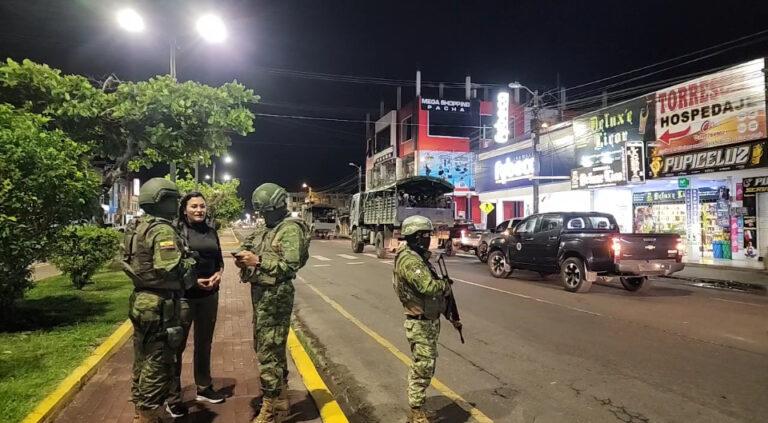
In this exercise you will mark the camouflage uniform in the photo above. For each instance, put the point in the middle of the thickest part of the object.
(423, 296)
(156, 262)
(282, 247)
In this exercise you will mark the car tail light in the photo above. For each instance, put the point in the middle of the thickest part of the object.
(463, 232)
(616, 248)
(680, 249)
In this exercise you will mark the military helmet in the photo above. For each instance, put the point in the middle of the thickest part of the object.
(157, 189)
(268, 197)
(414, 224)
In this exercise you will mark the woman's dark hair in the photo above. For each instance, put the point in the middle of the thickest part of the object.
(182, 216)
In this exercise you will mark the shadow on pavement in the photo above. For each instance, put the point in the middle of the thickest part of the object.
(612, 288)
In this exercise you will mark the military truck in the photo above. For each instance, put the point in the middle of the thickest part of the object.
(376, 215)
(322, 219)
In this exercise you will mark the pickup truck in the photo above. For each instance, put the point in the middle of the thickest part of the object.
(502, 228)
(584, 248)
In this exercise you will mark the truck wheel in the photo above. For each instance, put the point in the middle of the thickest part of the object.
(482, 252)
(574, 275)
(497, 264)
(381, 252)
(638, 284)
(449, 250)
(357, 245)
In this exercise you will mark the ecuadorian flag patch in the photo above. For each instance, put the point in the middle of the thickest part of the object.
(167, 245)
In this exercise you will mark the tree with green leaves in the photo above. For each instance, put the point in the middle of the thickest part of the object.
(136, 124)
(80, 250)
(224, 206)
(46, 182)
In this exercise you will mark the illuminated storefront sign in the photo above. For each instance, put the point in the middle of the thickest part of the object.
(507, 170)
(502, 118)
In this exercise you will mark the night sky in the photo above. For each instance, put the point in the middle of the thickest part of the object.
(270, 41)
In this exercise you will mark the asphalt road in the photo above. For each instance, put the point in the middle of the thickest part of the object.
(535, 352)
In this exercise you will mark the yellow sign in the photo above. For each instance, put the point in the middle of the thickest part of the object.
(486, 207)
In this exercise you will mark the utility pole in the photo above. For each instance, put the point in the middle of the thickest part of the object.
(536, 152)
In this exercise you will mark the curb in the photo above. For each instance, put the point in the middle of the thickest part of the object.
(721, 284)
(330, 412)
(60, 397)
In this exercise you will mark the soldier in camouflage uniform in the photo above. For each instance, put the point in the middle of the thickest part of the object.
(156, 261)
(423, 294)
(269, 259)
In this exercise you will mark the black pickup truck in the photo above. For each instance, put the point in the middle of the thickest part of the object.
(583, 248)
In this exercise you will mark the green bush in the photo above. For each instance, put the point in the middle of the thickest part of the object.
(82, 249)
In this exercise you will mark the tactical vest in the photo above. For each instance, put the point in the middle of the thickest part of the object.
(416, 303)
(138, 258)
(264, 241)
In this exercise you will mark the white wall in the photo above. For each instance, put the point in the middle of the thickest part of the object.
(565, 201)
(616, 201)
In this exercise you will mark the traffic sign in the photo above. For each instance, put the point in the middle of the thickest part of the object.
(487, 207)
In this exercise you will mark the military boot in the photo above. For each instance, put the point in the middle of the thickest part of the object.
(267, 413)
(282, 404)
(148, 416)
(417, 415)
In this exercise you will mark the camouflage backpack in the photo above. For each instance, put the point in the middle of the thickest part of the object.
(304, 250)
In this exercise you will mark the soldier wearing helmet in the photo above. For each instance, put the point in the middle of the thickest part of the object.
(155, 259)
(269, 259)
(423, 295)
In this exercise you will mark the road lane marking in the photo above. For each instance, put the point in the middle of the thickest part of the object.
(739, 302)
(371, 255)
(321, 265)
(392, 262)
(321, 258)
(347, 256)
(356, 262)
(528, 297)
(436, 383)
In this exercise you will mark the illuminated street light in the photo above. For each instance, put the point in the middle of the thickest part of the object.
(207, 176)
(227, 177)
(211, 28)
(227, 159)
(130, 20)
(304, 185)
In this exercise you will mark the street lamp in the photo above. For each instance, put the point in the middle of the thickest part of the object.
(359, 177)
(227, 159)
(207, 177)
(534, 141)
(130, 20)
(227, 177)
(210, 27)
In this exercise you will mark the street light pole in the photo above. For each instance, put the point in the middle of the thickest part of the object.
(172, 63)
(534, 141)
(536, 152)
(359, 177)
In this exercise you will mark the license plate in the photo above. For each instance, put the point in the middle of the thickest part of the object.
(649, 266)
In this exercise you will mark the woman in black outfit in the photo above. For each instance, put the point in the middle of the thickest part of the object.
(201, 302)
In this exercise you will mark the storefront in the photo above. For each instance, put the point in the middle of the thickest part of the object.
(504, 177)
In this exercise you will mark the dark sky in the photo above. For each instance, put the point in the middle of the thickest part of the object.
(493, 41)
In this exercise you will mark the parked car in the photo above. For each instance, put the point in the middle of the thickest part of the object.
(485, 239)
(463, 236)
(582, 248)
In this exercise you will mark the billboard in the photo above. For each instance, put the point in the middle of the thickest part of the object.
(606, 144)
(455, 167)
(723, 108)
(728, 157)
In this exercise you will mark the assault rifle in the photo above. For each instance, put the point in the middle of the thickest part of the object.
(451, 309)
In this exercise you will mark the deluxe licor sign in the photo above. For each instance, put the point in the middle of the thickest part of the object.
(510, 170)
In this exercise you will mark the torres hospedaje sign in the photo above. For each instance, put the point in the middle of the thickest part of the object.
(609, 143)
(729, 157)
(723, 108)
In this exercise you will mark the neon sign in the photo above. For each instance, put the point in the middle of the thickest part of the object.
(502, 118)
(511, 170)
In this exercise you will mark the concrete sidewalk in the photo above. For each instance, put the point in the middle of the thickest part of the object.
(746, 279)
(105, 398)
